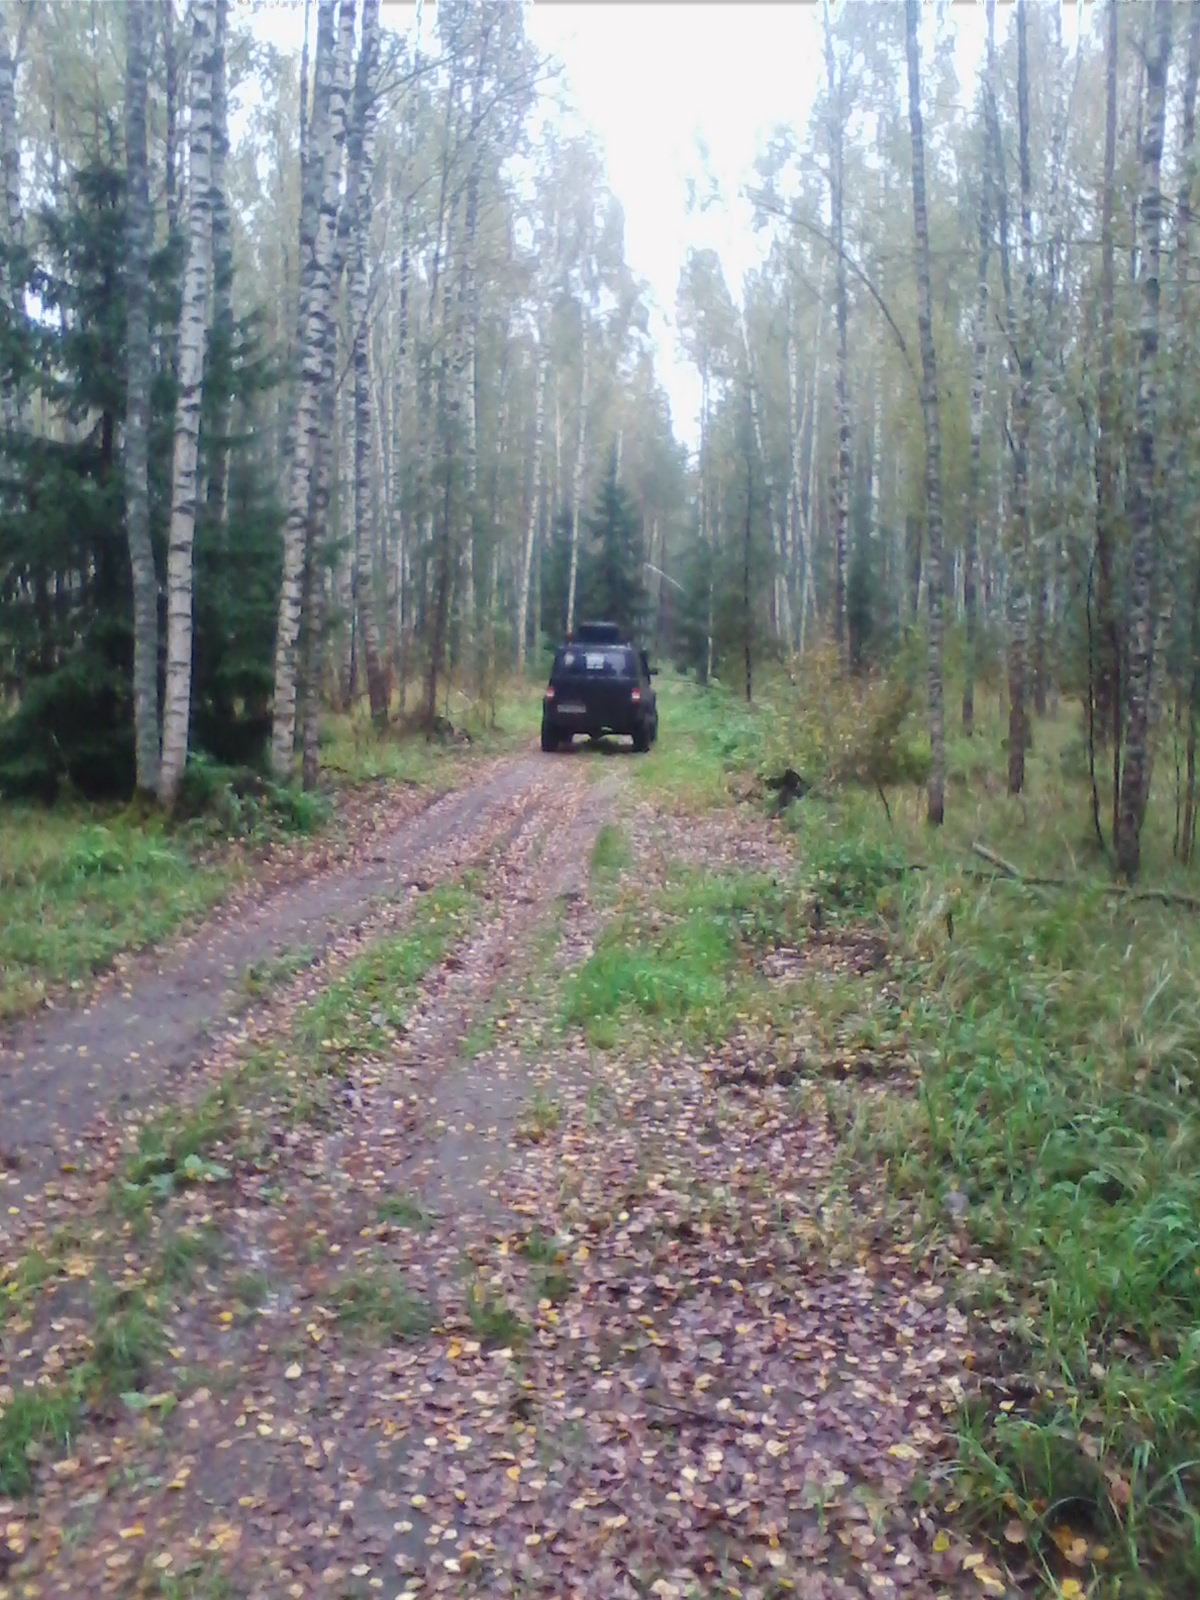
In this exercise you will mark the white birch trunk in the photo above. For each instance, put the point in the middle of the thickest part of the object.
(139, 227)
(316, 311)
(577, 473)
(535, 495)
(193, 334)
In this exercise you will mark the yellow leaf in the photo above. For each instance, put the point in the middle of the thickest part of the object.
(514, 1473)
(294, 1371)
(941, 1541)
(990, 1579)
(903, 1452)
(136, 1532)
(226, 1316)
(1070, 1589)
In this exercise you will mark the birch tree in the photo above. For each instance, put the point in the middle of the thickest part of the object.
(139, 373)
(360, 205)
(193, 337)
(1145, 555)
(318, 226)
(929, 408)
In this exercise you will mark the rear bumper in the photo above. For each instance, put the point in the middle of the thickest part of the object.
(586, 722)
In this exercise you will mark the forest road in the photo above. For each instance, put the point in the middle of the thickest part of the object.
(67, 1074)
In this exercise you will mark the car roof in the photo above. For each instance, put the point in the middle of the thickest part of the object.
(597, 633)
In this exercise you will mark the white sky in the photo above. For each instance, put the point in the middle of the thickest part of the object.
(650, 80)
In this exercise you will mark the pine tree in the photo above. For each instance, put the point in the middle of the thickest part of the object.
(613, 580)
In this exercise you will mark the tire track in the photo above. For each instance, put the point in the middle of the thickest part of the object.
(66, 1075)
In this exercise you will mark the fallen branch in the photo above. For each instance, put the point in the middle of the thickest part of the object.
(1011, 874)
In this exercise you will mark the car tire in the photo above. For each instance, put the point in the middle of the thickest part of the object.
(549, 738)
(641, 739)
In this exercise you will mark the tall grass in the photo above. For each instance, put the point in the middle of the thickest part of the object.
(79, 888)
(1057, 1032)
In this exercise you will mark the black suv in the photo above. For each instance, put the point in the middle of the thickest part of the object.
(600, 683)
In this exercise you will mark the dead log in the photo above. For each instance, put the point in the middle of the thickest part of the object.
(1006, 871)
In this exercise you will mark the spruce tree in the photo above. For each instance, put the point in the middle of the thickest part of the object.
(613, 577)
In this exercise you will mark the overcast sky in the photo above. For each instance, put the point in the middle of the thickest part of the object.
(654, 79)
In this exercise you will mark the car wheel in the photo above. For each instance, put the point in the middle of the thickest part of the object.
(549, 738)
(641, 739)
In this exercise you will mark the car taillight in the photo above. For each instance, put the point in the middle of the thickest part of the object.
(550, 692)
(635, 695)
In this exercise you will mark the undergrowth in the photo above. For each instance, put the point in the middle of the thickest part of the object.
(78, 891)
(680, 961)
(1056, 1033)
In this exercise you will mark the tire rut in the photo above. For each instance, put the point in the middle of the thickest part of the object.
(63, 1072)
(339, 1175)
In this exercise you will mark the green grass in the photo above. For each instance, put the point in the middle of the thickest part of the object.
(262, 977)
(81, 887)
(402, 1211)
(679, 960)
(703, 733)
(541, 1117)
(353, 752)
(360, 1011)
(173, 1151)
(493, 1321)
(379, 1306)
(1057, 1033)
(127, 1338)
(35, 1419)
(610, 854)
(184, 1252)
(1056, 1036)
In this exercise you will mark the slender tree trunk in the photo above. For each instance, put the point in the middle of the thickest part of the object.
(139, 229)
(171, 86)
(1182, 419)
(318, 242)
(837, 203)
(1108, 689)
(1019, 542)
(975, 475)
(747, 606)
(221, 348)
(193, 335)
(577, 474)
(443, 572)
(317, 531)
(1143, 616)
(929, 407)
(363, 157)
(794, 500)
(535, 497)
(14, 215)
(836, 138)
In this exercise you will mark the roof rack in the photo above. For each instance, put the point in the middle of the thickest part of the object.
(597, 633)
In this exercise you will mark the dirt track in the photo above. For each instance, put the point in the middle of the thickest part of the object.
(62, 1070)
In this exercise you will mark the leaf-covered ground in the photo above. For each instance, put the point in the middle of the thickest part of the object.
(512, 1249)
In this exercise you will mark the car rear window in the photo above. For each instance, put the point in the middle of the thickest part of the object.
(594, 661)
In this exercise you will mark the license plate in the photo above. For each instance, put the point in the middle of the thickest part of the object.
(568, 708)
